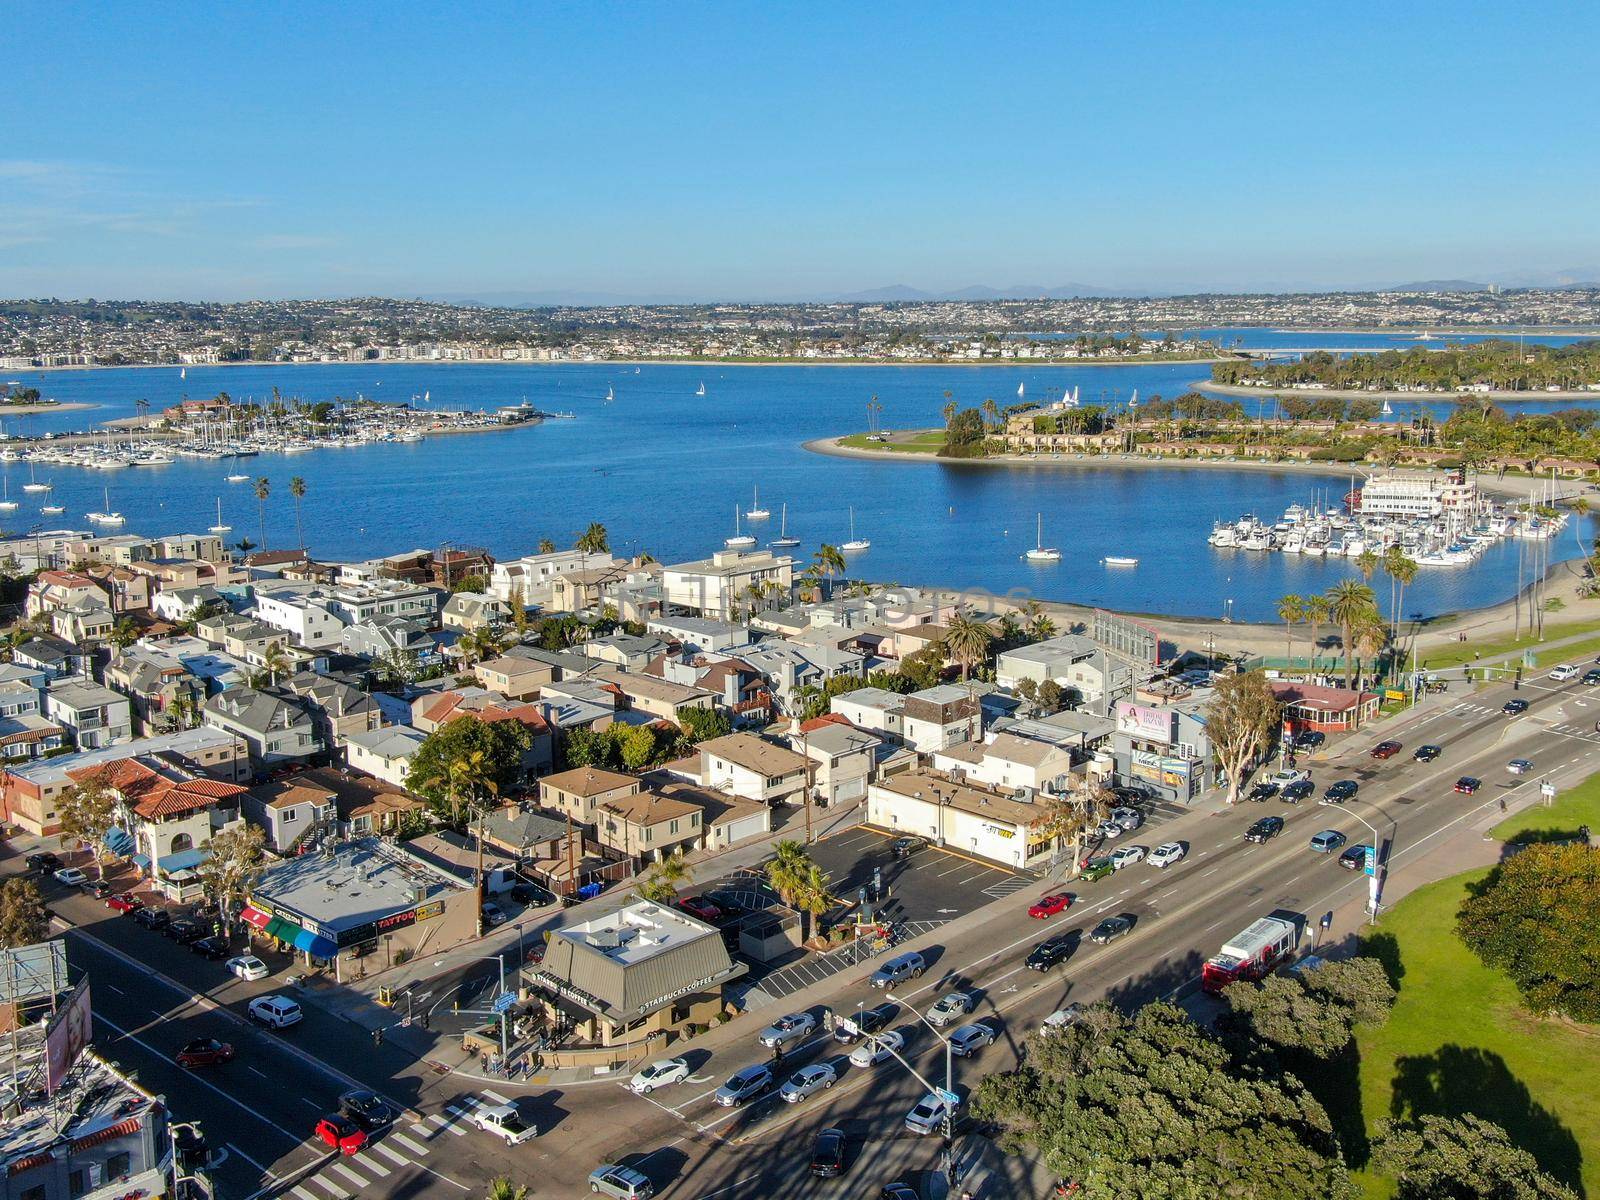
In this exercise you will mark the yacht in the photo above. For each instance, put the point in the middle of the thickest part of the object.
(855, 543)
(1224, 535)
(33, 485)
(219, 527)
(739, 541)
(1294, 543)
(107, 516)
(1041, 552)
(755, 512)
(783, 541)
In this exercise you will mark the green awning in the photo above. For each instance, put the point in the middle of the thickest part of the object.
(284, 931)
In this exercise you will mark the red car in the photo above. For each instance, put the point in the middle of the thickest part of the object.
(124, 902)
(343, 1134)
(1386, 749)
(204, 1052)
(1049, 906)
(698, 906)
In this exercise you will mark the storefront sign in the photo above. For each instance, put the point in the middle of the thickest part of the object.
(1147, 724)
(1159, 768)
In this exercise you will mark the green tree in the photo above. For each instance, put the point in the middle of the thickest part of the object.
(967, 640)
(1349, 605)
(703, 724)
(274, 662)
(637, 746)
(124, 633)
(297, 489)
(87, 810)
(1401, 569)
(1533, 918)
(1460, 1158)
(1305, 1013)
(660, 884)
(1050, 696)
(465, 758)
(1151, 1105)
(594, 540)
(23, 920)
(263, 489)
(518, 603)
(1316, 614)
(1291, 611)
(1241, 719)
(546, 546)
(501, 1188)
(925, 667)
(830, 562)
(236, 860)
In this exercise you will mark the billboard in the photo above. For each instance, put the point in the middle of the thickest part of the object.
(1161, 769)
(1141, 721)
(66, 1036)
(34, 972)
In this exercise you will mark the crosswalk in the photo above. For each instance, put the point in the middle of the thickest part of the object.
(394, 1150)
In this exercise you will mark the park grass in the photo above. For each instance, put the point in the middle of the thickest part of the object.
(1572, 808)
(927, 441)
(1457, 653)
(1459, 1041)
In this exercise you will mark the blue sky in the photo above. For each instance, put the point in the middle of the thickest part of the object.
(781, 150)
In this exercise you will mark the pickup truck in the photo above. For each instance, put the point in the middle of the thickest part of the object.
(503, 1121)
(1287, 776)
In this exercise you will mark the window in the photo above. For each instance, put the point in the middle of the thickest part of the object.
(288, 817)
(181, 842)
(36, 1192)
(119, 1165)
(673, 827)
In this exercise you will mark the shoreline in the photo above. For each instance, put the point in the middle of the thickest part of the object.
(28, 410)
(1270, 393)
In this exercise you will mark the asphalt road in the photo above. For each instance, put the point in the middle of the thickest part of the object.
(261, 1108)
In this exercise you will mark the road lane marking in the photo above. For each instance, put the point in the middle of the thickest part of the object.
(253, 1071)
(415, 1148)
(329, 1186)
(299, 1191)
(235, 1150)
(730, 1187)
(495, 1096)
(344, 1172)
(394, 1156)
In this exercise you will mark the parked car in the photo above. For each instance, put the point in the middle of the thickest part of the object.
(787, 1029)
(367, 1109)
(898, 969)
(1309, 739)
(744, 1085)
(807, 1081)
(493, 915)
(1262, 792)
(1386, 749)
(1427, 753)
(1467, 784)
(849, 1030)
(343, 1134)
(624, 1183)
(184, 931)
(275, 1012)
(153, 918)
(969, 1039)
(1354, 858)
(828, 1153)
(1519, 766)
(1110, 930)
(1126, 856)
(214, 948)
(98, 888)
(898, 1191)
(731, 904)
(1051, 952)
(204, 1052)
(43, 861)
(1049, 906)
(1340, 791)
(878, 1048)
(71, 876)
(662, 1073)
(1109, 830)
(1296, 792)
(504, 1121)
(248, 967)
(1167, 853)
(1327, 841)
(1129, 818)
(1513, 708)
(928, 1116)
(531, 894)
(1285, 777)
(699, 906)
(1095, 868)
(1264, 829)
(1564, 672)
(903, 848)
(950, 1007)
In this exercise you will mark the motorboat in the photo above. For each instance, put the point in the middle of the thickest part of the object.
(855, 544)
(755, 512)
(739, 540)
(1119, 560)
(238, 478)
(1041, 552)
(784, 540)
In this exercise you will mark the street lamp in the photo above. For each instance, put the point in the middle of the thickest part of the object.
(500, 962)
(949, 1065)
(1372, 882)
(195, 1141)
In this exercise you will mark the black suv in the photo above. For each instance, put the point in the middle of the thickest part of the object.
(1262, 792)
(849, 1029)
(1340, 791)
(1297, 791)
(153, 918)
(1052, 951)
(44, 861)
(184, 931)
(827, 1154)
(1264, 829)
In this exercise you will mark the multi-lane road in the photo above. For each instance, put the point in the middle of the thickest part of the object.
(151, 997)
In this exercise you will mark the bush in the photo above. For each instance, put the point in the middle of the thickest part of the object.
(1340, 452)
(402, 955)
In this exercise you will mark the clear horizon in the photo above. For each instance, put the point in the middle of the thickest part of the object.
(742, 154)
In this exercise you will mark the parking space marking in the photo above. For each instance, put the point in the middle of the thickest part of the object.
(299, 1191)
(344, 1172)
(328, 1185)
(394, 1156)
(414, 1147)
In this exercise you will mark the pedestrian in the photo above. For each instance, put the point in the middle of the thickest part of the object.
(1502, 804)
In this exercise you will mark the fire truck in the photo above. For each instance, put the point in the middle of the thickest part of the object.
(1249, 955)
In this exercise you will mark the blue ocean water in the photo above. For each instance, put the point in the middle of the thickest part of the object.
(664, 469)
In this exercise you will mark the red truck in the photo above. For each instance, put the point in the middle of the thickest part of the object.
(1249, 955)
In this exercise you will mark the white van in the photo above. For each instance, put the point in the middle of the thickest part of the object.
(276, 1012)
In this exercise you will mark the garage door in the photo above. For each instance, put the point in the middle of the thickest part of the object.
(850, 789)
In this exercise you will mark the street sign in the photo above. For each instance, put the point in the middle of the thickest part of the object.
(1547, 790)
(504, 1001)
(950, 1098)
(1372, 860)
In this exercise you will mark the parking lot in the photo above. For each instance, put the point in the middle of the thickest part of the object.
(931, 885)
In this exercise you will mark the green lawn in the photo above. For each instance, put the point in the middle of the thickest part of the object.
(927, 441)
(1453, 655)
(1459, 1041)
(1572, 808)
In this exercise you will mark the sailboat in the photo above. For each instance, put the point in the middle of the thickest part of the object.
(610, 395)
(7, 504)
(33, 485)
(219, 527)
(855, 543)
(1041, 552)
(783, 541)
(1070, 399)
(1386, 410)
(1019, 391)
(739, 541)
(183, 372)
(238, 478)
(755, 512)
(53, 510)
(701, 390)
(107, 516)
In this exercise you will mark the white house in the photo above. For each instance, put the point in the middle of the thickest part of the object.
(1006, 762)
(976, 821)
(713, 587)
(877, 709)
(94, 715)
(745, 765)
(384, 753)
(842, 757)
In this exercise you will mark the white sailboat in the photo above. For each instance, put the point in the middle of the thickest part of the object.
(739, 541)
(610, 395)
(107, 516)
(7, 504)
(755, 512)
(53, 510)
(783, 541)
(33, 485)
(183, 372)
(701, 390)
(219, 527)
(1019, 391)
(855, 543)
(1041, 552)
(1386, 410)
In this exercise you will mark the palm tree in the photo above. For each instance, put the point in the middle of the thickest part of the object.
(124, 633)
(546, 546)
(464, 775)
(1367, 564)
(830, 562)
(1371, 636)
(1349, 604)
(967, 639)
(502, 1188)
(594, 540)
(1291, 611)
(992, 411)
(787, 867)
(1401, 569)
(297, 489)
(661, 884)
(274, 663)
(263, 490)
(1316, 614)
